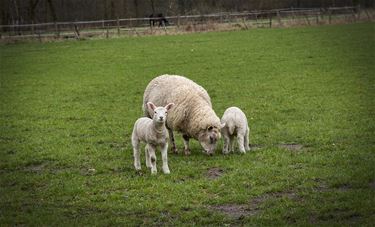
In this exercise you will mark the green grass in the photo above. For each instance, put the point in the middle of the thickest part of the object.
(67, 108)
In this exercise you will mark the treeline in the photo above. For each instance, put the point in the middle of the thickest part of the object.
(40, 11)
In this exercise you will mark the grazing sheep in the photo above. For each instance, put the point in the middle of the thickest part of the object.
(193, 115)
(153, 133)
(235, 125)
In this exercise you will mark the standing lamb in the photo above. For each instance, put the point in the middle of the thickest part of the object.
(235, 125)
(193, 115)
(153, 133)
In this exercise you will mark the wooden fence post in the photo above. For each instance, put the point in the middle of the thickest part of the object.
(244, 22)
(107, 33)
(358, 8)
(178, 21)
(76, 31)
(118, 26)
(32, 28)
(279, 18)
(57, 30)
(39, 37)
(307, 18)
(329, 16)
(270, 15)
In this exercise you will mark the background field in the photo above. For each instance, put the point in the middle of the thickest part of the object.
(67, 111)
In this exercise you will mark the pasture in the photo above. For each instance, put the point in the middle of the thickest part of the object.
(67, 110)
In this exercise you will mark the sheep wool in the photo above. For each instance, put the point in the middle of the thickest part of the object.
(192, 114)
(236, 125)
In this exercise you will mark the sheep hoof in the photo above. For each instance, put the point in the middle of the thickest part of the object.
(166, 171)
(174, 150)
(187, 151)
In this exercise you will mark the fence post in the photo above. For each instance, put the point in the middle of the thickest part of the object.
(244, 23)
(107, 33)
(118, 26)
(307, 19)
(57, 30)
(329, 16)
(32, 28)
(279, 17)
(178, 21)
(270, 15)
(359, 12)
(39, 37)
(76, 31)
(317, 18)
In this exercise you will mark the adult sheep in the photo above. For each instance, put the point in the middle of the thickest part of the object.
(192, 114)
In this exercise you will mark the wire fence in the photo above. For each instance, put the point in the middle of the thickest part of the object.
(191, 23)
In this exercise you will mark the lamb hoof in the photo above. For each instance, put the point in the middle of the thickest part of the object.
(166, 171)
(154, 172)
(187, 152)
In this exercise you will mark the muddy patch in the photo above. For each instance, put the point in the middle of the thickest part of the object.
(36, 168)
(235, 210)
(291, 146)
(214, 173)
(253, 207)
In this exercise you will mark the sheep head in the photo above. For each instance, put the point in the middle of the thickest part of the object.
(160, 113)
(208, 138)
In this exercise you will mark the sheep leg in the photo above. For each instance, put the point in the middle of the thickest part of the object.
(172, 142)
(246, 139)
(240, 141)
(151, 152)
(226, 144)
(147, 154)
(164, 157)
(186, 144)
(136, 154)
(231, 144)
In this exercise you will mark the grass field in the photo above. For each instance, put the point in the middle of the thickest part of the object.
(67, 111)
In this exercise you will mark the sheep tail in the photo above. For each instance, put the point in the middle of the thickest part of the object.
(231, 128)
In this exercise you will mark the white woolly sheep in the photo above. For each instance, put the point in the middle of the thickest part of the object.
(193, 115)
(236, 125)
(154, 133)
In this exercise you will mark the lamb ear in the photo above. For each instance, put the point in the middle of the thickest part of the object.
(222, 125)
(169, 106)
(151, 105)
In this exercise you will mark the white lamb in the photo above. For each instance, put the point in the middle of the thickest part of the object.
(154, 133)
(235, 126)
(193, 115)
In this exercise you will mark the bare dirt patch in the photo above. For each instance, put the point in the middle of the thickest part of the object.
(214, 173)
(235, 210)
(239, 211)
(35, 168)
(291, 146)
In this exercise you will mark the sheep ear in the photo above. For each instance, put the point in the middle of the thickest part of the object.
(169, 106)
(151, 105)
(222, 125)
